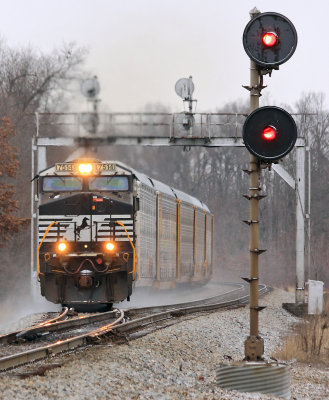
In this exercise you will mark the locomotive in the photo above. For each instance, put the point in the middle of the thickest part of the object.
(104, 227)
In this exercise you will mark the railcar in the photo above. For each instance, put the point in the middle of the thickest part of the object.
(104, 227)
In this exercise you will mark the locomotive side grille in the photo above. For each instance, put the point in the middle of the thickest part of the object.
(56, 232)
(101, 229)
(104, 229)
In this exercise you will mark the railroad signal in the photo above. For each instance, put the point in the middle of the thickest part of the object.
(269, 133)
(270, 39)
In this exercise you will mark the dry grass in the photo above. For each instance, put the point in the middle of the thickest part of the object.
(309, 341)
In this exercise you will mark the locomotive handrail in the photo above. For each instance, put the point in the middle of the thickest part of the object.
(133, 247)
(44, 237)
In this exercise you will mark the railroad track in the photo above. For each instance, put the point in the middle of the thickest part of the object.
(35, 331)
(118, 323)
(13, 336)
(240, 294)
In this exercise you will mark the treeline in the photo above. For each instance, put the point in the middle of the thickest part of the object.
(30, 81)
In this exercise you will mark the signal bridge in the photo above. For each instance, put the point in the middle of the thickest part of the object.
(145, 129)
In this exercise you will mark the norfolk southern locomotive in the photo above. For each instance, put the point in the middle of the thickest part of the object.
(103, 225)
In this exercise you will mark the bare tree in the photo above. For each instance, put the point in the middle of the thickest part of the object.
(30, 81)
(9, 222)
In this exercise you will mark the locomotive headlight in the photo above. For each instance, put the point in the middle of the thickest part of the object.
(61, 246)
(85, 168)
(109, 246)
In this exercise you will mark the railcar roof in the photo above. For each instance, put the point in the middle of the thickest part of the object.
(157, 185)
(190, 199)
(162, 187)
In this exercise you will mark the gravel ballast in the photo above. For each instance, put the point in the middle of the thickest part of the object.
(177, 362)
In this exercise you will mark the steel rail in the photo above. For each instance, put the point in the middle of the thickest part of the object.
(52, 325)
(16, 360)
(63, 314)
(43, 324)
(25, 357)
(176, 312)
(141, 310)
(10, 337)
(56, 326)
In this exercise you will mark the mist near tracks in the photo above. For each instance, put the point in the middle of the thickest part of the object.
(17, 311)
(151, 296)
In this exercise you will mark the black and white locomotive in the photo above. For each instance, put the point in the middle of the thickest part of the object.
(103, 226)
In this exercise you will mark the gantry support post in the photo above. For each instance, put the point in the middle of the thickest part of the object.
(300, 229)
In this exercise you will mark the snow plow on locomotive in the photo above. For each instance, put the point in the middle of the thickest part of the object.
(102, 227)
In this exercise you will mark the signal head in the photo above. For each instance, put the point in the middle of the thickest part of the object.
(270, 39)
(269, 133)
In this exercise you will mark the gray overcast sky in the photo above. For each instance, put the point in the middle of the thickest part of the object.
(139, 48)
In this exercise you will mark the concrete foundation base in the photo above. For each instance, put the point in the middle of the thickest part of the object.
(297, 309)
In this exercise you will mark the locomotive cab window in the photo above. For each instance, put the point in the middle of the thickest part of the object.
(61, 184)
(109, 183)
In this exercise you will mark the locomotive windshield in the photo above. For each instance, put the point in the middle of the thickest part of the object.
(79, 184)
(62, 184)
(114, 183)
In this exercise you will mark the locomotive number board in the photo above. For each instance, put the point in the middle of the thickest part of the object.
(74, 167)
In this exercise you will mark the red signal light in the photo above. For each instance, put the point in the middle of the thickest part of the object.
(269, 133)
(270, 39)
